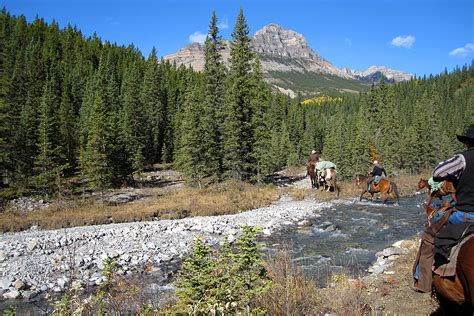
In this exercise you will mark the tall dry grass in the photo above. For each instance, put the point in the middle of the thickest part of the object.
(226, 198)
(292, 292)
(346, 296)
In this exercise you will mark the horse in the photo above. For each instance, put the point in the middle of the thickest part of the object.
(446, 188)
(328, 180)
(385, 187)
(456, 294)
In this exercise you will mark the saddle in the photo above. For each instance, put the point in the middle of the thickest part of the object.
(439, 248)
(448, 269)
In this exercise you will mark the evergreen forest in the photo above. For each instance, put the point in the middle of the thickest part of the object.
(77, 107)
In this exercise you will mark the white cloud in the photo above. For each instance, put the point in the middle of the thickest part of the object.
(462, 51)
(224, 24)
(348, 41)
(197, 37)
(406, 41)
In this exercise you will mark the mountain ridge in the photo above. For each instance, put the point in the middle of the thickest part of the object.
(287, 58)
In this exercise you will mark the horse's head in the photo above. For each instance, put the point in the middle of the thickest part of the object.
(359, 178)
(422, 184)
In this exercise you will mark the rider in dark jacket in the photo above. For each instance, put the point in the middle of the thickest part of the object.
(460, 170)
(313, 158)
(377, 171)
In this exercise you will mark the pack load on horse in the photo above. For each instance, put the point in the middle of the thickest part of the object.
(437, 189)
(311, 169)
(327, 176)
(445, 260)
(385, 187)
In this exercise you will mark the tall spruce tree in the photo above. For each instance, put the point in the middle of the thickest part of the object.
(133, 123)
(48, 168)
(191, 155)
(6, 141)
(95, 162)
(262, 141)
(238, 133)
(214, 73)
(151, 98)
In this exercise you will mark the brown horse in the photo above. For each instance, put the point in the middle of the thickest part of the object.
(456, 294)
(446, 188)
(385, 187)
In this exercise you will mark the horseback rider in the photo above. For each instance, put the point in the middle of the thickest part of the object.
(376, 174)
(313, 158)
(439, 238)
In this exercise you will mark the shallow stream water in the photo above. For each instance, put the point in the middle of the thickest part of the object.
(347, 236)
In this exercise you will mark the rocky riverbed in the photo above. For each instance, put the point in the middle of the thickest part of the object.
(37, 261)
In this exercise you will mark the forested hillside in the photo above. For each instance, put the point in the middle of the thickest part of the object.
(76, 106)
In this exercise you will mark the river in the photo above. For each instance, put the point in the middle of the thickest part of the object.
(346, 237)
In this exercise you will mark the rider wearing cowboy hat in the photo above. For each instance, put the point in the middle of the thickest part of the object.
(376, 174)
(460, 170)
(313, 158)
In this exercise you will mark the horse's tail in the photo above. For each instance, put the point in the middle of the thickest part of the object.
(393, 187)
(338, 190)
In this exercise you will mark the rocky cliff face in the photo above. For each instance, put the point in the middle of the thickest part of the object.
(286, 53)
(374, 73)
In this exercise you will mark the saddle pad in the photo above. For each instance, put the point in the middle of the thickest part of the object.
(320, 165)
(435, 186)
(449, 269)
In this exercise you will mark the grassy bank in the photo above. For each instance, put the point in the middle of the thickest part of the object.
(226, 198)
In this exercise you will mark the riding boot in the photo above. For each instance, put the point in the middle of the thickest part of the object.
(425, 257)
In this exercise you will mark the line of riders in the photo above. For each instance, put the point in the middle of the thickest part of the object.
(323, 174)
(445, 261)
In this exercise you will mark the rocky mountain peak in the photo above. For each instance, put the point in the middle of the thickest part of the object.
(388, 73)
(277, 41)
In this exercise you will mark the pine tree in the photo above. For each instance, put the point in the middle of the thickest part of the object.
(238, 133)
(95, 155)
(48, 167)
(334, 143)
(359, 147)
(133, 123)
(249, 274)
(151, 98)
(262, 142)
(389, 143)
(6, 141)
(213, 113)
(196, 282)
(67, 127)
(191, 156)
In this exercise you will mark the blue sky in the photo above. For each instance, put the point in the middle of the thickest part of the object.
(417, 36)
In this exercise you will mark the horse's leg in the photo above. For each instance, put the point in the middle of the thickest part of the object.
(360, 198)
(383, 196)
(429, 200)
